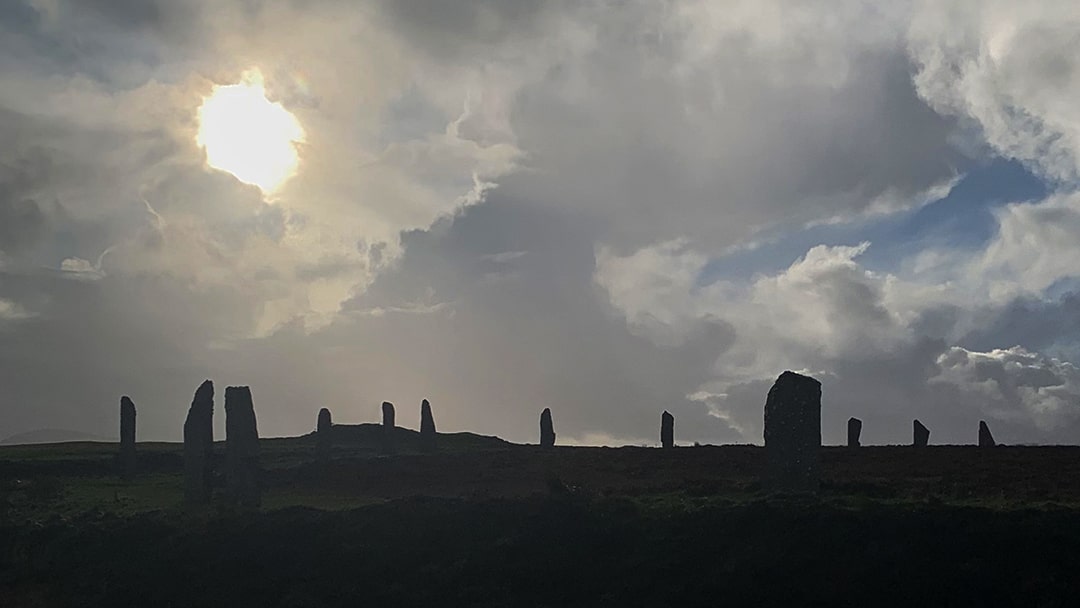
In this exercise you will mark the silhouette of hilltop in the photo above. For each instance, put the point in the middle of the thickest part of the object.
(41, 436)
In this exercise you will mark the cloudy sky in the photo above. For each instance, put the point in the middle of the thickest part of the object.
(609, 208)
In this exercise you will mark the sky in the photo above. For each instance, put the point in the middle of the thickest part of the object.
(608, 208)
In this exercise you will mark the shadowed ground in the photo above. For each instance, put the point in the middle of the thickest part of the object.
(484, 522)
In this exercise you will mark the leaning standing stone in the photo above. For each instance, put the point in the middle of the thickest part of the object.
(242, 447)
(920, 434)
(793, 433)
(323, 431)
(547, 429)
(427, 426)
(667, 430)
(199, 446)
(854, 430)
(986, 440)
(127, 438)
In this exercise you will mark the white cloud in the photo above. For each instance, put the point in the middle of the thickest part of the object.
(1037, 244)
(1014, 384)
(829, 316)
(11, 311)
(1010, 69)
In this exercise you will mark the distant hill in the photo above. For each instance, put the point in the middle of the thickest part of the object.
(50, 436)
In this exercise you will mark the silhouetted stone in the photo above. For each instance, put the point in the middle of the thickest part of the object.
(667, 430)
(323, 435)
(793, 433)
(241, 447)
(427, 427)
(854, 430)
(986, 440)
(920, 434)
(388, 425)
(199, 446)
(127, 438)
(547, 429)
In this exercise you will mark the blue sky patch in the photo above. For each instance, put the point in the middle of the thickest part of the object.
(962, 220)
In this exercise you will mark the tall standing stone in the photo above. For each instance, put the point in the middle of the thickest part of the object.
(854, 431)
(242, 447)
(920, 434)
(427, 426)
(127, 438)
(199, 446)
(793, 433)
(986, 440)
(547, 429)
(667, 430)
(323, 432)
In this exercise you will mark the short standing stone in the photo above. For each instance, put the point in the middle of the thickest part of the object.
(986, 440)
(667, 430)
(388, 414)
(920, 434)
(793, 433)
(242, 447)
(427, 426)
(199, 446)
(127, 438)
(547, 429)
(323, 432)
(854, 431)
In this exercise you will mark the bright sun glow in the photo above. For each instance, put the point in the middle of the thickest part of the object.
(247, 135)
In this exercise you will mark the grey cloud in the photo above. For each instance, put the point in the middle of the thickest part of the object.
(450, 29)
(168, 19)
(544, 338)
(1016, 386)
(120, 42)
(22, 220)
(1037, 324)
(726, 150)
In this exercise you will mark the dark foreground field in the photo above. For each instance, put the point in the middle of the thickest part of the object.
(489, 524)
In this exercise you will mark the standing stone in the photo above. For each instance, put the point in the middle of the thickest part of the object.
(241, 447)
(427, 427)
(793, 433)
(547, 429)
(986, 440)
(127, 438)
(323, 431)
(667, 430)
(199, 446)
(854, 430)
(920, 434)
(388, 427)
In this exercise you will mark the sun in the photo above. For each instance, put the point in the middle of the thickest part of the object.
(247, 135)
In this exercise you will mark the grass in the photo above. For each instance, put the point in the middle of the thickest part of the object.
(500, 525)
